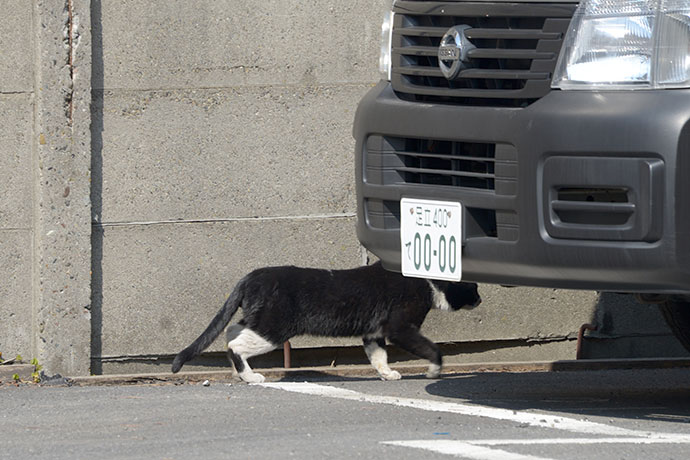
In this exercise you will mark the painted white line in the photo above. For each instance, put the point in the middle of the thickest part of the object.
(464, 450)
(528, 418)
(484, 449)
(654, 438)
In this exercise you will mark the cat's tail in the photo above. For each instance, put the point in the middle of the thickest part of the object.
(213, 330)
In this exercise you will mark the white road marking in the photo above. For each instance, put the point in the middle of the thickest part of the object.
(485, 449)
(463, 449)
(479, 450)
(654, 438)
(529, 418)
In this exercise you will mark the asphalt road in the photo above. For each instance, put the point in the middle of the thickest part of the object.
(636, 414)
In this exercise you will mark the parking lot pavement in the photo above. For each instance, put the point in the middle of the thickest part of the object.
(631, 414)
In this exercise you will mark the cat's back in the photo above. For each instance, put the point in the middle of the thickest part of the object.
(371, 280)
(290, 278)
(315, 301)
(284, 274)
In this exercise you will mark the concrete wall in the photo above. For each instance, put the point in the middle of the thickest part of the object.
(224, 145)
(154, 152)
(16, 118)
(45, 214)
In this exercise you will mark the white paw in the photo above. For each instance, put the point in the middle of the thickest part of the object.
(252, 378)
(434, 371)
(391, 375)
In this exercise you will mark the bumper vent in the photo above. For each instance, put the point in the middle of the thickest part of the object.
(597, 206)
(475, 173)
(516, 49)
(399, 160)
(385, 215)
(603, 198)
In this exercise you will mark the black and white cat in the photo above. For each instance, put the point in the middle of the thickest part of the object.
(281, 302)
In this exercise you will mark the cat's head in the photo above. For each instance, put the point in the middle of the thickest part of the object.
(462, 295)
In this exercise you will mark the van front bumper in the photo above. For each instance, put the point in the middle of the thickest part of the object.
(579, 190)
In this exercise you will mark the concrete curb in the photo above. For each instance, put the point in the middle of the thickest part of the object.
(366, 371)
(24, 372)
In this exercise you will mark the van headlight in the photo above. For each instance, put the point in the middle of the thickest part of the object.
(626, 44)
(386, 37)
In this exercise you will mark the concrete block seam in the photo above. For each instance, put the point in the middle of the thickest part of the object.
(325, 84)
(347, 215)
(70, 62)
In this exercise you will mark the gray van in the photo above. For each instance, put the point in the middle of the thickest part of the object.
(532, 143)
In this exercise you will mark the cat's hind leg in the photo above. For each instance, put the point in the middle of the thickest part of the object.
(243, 343)
(375, 348)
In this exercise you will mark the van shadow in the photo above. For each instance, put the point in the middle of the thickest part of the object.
(651, 394)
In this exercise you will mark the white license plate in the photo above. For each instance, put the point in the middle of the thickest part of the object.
(431, 239)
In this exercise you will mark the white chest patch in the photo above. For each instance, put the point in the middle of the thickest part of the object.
(439, 298)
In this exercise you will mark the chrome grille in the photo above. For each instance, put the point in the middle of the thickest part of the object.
(517, 46)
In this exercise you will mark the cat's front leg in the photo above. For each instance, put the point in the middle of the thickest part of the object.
(409, 339)
(375, 348)
(434, 371)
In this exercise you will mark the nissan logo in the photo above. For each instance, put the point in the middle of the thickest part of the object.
(452, 53)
